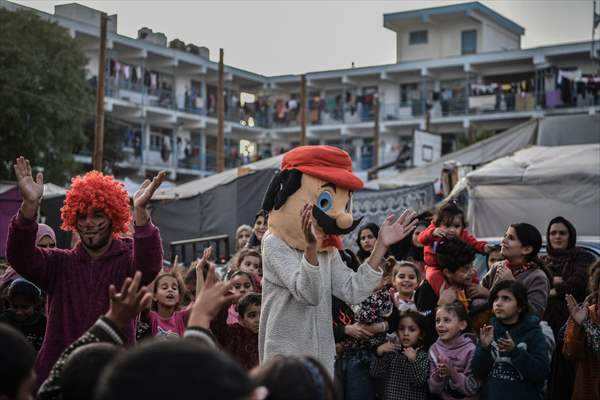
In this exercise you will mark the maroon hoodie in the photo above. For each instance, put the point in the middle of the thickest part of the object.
(239, 342)
(77, 285)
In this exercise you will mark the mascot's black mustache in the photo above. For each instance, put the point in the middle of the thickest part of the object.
(329, 224)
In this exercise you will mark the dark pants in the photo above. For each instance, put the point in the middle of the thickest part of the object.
(354, 374)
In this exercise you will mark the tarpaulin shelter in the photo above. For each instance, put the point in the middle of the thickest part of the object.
(562, 130)
(10, 201)
(535, 185)
(214, 205)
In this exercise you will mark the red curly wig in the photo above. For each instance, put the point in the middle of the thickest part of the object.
(95, 191)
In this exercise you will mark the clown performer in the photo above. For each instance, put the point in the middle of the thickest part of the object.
(309, 204)
(77, 280)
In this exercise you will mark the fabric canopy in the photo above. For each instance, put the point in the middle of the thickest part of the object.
(203, 185)
(535, 185)
(479, 153)
(564, 130)
(560, 130)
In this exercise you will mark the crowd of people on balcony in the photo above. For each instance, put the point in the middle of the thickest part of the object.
(550, 88)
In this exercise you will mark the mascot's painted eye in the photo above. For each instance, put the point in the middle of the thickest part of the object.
(324, 201)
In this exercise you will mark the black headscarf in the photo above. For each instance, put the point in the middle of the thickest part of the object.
(570, 228)
(363, 254)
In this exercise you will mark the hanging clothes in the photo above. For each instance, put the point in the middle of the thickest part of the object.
(572, 75)
(126, 71)
(329, 104)
(550, 82)
(153, 80)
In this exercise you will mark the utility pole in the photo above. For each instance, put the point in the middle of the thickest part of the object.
(303, 110)
(99, 128)
(375, 134)
(221, 116)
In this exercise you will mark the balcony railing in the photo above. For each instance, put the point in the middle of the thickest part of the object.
(275, 114)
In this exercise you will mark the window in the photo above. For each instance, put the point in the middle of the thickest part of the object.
(469, 42)
(156, 141)
(417, 37)
(427, 154)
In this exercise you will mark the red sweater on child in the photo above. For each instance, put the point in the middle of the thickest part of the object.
(432, 272)
(238, 341)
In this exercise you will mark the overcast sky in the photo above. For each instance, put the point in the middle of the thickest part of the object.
(292, 37)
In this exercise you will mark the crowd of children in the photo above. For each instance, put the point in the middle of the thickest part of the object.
(434, 328)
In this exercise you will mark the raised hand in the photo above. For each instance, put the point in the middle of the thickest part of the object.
(504, 274)
(410, 353)
(199, 266)
(506, 343)
(310, 252)
(439, 232)
(142, 197)
(477, 291)
(388, 347)
(210, 299)
(206, 254)
(128, 302)
(486, 336)
(307, 225)
(394, 231)
(442, 367)
(31, 190)
(447, 295)
(579, 312)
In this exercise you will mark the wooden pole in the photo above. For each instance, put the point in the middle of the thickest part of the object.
(375, 134)
(303, 110)
(99, 127)
(221, 116)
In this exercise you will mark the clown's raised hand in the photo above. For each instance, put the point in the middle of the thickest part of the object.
(142, 197)
(31, 190)
(394, 231)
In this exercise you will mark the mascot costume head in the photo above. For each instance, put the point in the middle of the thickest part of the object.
(319, 175)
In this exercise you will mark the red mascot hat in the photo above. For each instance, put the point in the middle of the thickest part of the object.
(324, 162)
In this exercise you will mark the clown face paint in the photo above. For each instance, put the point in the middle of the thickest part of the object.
(94, 229)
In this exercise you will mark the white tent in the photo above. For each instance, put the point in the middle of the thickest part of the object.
(535, 185)
(559, 130)
(479, 153)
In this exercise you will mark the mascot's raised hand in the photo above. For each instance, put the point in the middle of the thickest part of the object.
(392, 231)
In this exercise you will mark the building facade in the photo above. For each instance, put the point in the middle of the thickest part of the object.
(460, 71)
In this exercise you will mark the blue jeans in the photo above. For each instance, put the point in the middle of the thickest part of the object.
(356, 380)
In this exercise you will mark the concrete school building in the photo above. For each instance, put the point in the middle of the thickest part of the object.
(459, 69)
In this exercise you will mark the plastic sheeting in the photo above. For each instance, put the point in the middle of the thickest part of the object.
(203, 185)
(216, 211)
(567, 130)
(483, 152)
(534, 186)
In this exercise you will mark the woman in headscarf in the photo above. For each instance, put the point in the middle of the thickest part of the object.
(569, 265)
(45, 238)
